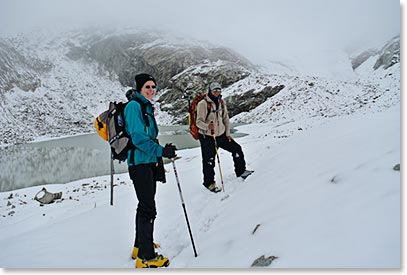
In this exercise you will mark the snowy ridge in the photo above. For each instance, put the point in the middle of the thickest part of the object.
(67, 93)
(60, 87)
(71, 94)
(306, 99)
(75, 88)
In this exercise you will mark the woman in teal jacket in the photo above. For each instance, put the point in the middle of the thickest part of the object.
(142, 163)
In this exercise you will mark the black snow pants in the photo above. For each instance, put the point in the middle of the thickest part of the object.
(209, 154)
(143, 177)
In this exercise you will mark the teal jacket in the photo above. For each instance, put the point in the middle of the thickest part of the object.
(143, 138)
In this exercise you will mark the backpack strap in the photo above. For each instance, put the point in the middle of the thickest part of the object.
(209, 106)
(143, 110)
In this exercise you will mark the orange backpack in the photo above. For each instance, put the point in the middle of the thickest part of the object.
(193, 129)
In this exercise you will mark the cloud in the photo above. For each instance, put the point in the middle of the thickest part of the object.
(252, 27)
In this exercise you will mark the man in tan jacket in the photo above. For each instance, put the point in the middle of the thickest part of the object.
(213, 122)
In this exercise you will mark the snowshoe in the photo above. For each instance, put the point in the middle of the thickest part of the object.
(157, 261)
(246, 173)
(135, 251)
(213, 188)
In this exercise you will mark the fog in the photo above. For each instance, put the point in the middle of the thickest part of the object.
(256, 28)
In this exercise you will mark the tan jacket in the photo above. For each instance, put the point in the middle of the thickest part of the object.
(220, 118)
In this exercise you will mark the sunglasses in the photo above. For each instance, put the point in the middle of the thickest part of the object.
(217, 90)
(152, 87)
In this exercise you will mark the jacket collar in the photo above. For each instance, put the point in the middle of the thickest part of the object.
(212, 99)
(140, 98)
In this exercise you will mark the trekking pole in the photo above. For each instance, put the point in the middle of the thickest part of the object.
(183, 206)
(111, 180)
(217, 155)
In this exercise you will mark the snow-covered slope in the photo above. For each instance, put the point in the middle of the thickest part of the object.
(327, 197)
(331, 64)
(57, 83)
(306, 100)
(325, 192)
(68, 97)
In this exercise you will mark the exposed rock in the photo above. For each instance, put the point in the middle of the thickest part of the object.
(129, 54)
(359, 59)
(195, 80)
(255, 228)
(390, 54)
(57, 84)
(19, 70)
(250, 100)
(45, 197)
(263, 261)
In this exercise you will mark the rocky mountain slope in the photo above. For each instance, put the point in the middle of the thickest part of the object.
(55, 84)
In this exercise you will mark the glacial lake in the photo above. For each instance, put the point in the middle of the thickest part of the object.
(67, 159)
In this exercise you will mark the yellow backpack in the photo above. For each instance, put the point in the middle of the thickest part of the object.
(100, 124)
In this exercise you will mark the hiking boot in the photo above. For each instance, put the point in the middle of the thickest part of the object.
(135, 251)
(157, 261)
(246, 173)
(213, 188)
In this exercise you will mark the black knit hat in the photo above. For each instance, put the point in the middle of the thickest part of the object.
(141, 79)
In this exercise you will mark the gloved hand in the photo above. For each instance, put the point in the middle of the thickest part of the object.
(211, 127)
(169, 151)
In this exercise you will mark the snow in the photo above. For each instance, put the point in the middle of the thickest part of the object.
(324, 193)
(328, 63)
(320, 83)
(325, 197)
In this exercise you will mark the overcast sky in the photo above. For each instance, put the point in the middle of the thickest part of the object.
(252, 27)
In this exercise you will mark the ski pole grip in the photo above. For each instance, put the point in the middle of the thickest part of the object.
(212, 130)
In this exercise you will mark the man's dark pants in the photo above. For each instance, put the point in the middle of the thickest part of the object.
(209, 153)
